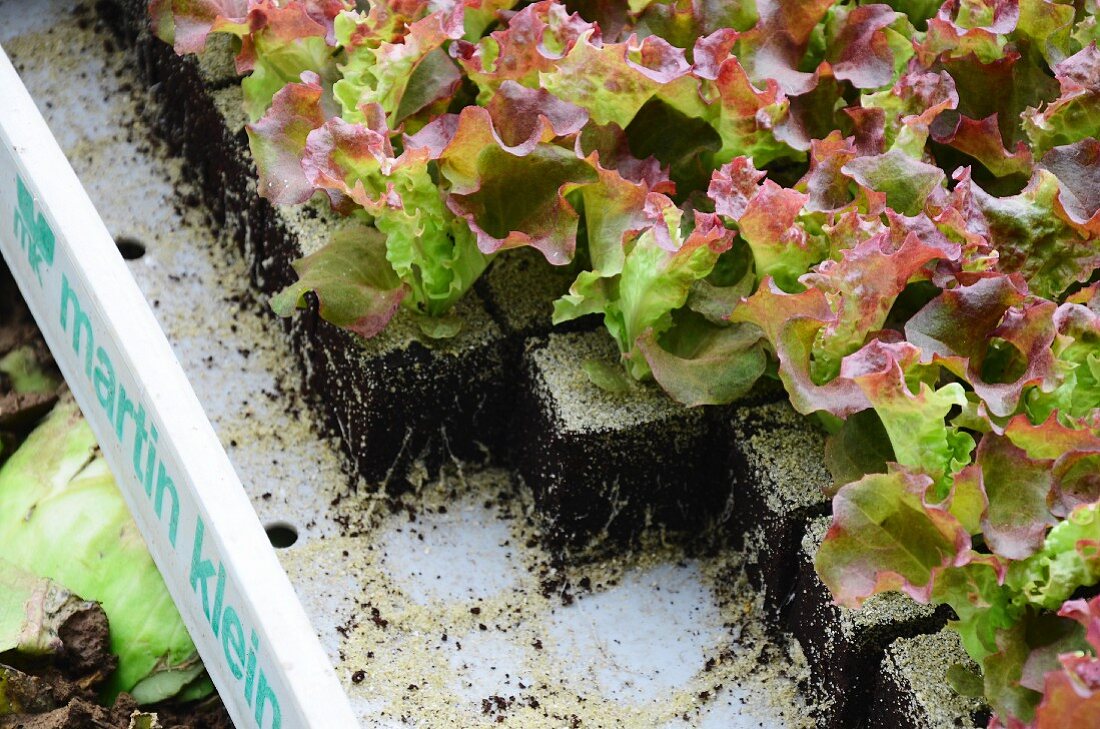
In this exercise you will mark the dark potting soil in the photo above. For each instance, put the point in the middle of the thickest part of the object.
(62, 692)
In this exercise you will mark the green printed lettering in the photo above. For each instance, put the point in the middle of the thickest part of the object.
(139, 444)
(265, 695)
(24, 213)
(151, 459)
(81, 324)
(165, 485)
(105, 383)
(219, 599)
(233, 642)
(201, 569)
(33, 232)
(125, 407)
(250, 669)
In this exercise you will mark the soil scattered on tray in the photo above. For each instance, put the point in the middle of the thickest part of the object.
(499, 643)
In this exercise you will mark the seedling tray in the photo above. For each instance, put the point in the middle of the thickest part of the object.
(445, 602)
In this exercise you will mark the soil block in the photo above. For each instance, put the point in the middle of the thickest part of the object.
(394, 400)
(778, 473)
(844, 646)
(605, 466)
(912, 692)
(520, 288)
(401, 398)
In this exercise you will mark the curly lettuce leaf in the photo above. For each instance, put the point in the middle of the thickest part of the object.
(791, 323)
(186, 24)
(279, 44)
(862, 287)
(701, 363)
(1077, 167)
(888, 535)
(1074, 115)
(1071, 693)
(402, 73)
(658, 271)
(907, 110)
(1019, 489)
(1069, 559)
(1003, 345)
(981, 139)
(908, 184)
(775, 47)
(1076, 350)
(748, 119)
(767, 218)
(1031, 237)
(355, 286)
(612, 81)
(826, 187)
(615, 207)
(868, 45)
(507, 177)
(922, 439)
(533, 41)
(278, 140)
(431, 250)
(480, 14)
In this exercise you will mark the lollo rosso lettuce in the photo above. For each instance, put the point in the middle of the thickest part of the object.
(413, 120)
(890, 207)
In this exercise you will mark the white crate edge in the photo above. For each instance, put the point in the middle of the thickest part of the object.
(220, 568)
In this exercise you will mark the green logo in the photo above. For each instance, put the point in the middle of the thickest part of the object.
(33, 232)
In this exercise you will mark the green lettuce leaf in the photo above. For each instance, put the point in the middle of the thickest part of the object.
(49, 487)
(1075, 114)
(920, 436)
(887, 535)
(432, 252)
(612, 81)
(1031, 237)
(402, 74)
(278, 140)
(533, 41)
(355, 286)
(1071, 693)
(701, 363)
(658, 271)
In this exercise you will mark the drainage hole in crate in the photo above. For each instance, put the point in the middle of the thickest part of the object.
(281, 534)
(130, 248)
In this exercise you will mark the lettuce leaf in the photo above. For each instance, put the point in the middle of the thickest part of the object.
(1071, 695)
(355, 286)
(887, 535)
(278, 42)
(658, 269)
(403, 74)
